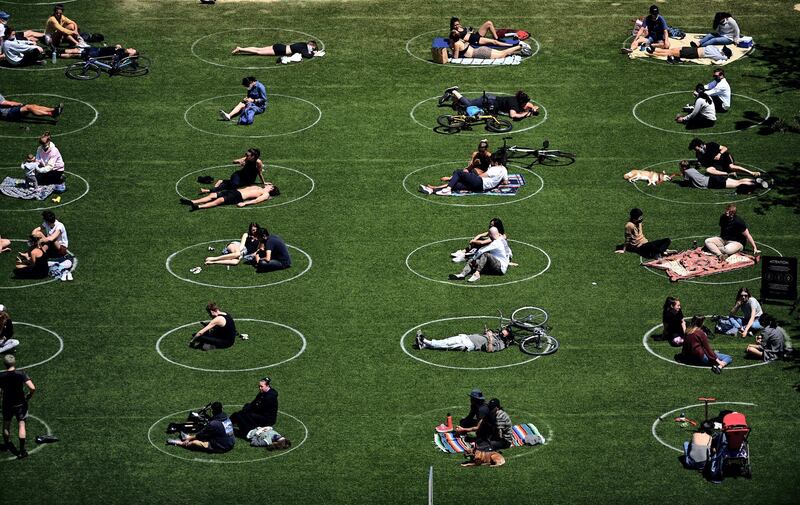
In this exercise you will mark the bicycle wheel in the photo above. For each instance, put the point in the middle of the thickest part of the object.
(82, 71)
(132, 66)
(450, 121)
(539, 345)
(556, 158)
(529, 317)
(496, 125)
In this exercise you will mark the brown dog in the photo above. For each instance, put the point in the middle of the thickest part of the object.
(652, 178)
(478, 458)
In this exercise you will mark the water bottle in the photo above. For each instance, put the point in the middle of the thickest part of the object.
(53, 57)
(694, 244)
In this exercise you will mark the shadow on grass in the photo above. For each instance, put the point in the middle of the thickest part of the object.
(785, 191)
(782, 62)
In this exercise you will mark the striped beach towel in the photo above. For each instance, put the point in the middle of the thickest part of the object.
(16, 188)
(452, 443)
(515, 181)
(513, 59)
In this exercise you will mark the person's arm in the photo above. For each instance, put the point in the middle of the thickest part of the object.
(31, 389)
(52, 237)
(706, 346)
(490, 343)
(519, 115)
(722, 150)
(735, 307)
(746, 328)
(461, 429)
(260, 168)
(736, 33)
(480, 240)
(239, 161)
(492, 246)
(242, 241)
(751, 241)
(261, 92)
(52, 21)
(217, 321)
(695, 111)
(10, 103)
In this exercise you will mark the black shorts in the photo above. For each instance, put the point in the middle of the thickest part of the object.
(474, 39)
(690, 53)
(279, 49)
(716, 181)
(230, 196)
(18, 411)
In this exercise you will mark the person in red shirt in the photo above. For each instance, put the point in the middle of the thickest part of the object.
(697, 351)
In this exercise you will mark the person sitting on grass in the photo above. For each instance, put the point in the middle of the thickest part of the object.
(250, 168)
(492, 259)
(15, 403)
(268, 438)
(703, 114)
(31, 264)
(697, 351)
(478, 164)
(488, 341)
(7, 342)
(463, 49)
(477, 38)
(20, 52)
(495, 231)
(17, 111)
(693, 178)
(475, 182)
(673, 322)
(235, 252)
(717, 159)
(720, 91)
(51, 236)
(51, 163)
(59, 28)
(732, 237)
(305, 49)
(241, 197)
(636, 242)
(219, 333)
(697, 451)
(726, 31)
(262, 411)
(751, 315)
(254, 102)
(678, 54)
(653, 32)
(517, 107)
(272, 253)
(215, 437)
(771, 344)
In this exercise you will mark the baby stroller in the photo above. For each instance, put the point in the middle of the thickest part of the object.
(730, 450)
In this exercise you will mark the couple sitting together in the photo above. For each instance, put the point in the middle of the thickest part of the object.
(720, 169)
(47, 252)
(466, 43)
(486, 253)
(257, 247)
(484, 173)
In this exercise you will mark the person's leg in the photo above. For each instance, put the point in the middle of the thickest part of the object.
(37, 110)
(269, 266)
(213, 203)
(654, 248)
(718, 106)
(724, 359)
(732, 247)
(258, 51)
(22, 438)
(8, 345)
(455, 343)
(486, 41)
(488, 264)
(7, 435)
(715, 245)
(754, 350)
(699, 122)
(505, 52)
(236, 110)
(707, 37)
(712, 39)
(487, 27)
(205, 199)
(499, 445)
(465, 181)
(196, 445)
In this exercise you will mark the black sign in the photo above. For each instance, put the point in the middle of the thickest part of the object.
(778, 278)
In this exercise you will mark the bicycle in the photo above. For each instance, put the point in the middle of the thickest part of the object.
(530, 323)
(91, 68)
(454, 123)
(542, 155)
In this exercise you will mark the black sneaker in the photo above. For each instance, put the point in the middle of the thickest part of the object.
(448, 93)
(717, 370)
(22, 455)
(456, 277)
(650, 50)
(194, 208)
(693, 43)
(58, 110)
(185, 201)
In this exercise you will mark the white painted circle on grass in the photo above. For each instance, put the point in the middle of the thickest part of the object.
(195, 323)
(234, 167)
(94, 119)
(697, 132)
(186, 117)
(51, 332)
(208, 460)
(473, 284)
(54, 206)
(704, 367)
(412, 39)
(636, 185)
(39, 283)
(685, 407)
(504, 200)
(228, 241)
(320, 45)
(661, 273)
(482, 132)
(39, 447)
(405, 349)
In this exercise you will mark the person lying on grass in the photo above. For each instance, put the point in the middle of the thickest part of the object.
(241, 197)
(475, 181)
(492, 259)
(116, 52)
(693, 178)
(517, 107)
(267, 437)
(306, 49)
(488, 341)
(250, 168)
(17, 111)
(677, 54)
(462, 49)
(218, 333)
(236, 252)
(477, 38)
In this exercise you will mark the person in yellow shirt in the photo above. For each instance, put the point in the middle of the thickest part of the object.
(59, 27)
(636, 242)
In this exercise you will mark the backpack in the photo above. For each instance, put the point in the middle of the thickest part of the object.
(676, 33)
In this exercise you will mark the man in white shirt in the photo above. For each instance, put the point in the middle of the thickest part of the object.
(20, 52)
(491, 259)
(52, 235)
(720, 91)
(464, 179)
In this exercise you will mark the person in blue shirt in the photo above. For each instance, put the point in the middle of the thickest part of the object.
(217, 436)
(255, 102)
(653, 31)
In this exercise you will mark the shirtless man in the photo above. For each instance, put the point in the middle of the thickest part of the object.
(241, 197)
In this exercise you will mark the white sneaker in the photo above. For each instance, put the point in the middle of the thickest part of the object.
(69, 275)
(64, 276)
(196, 270)
(445, 191)
(475, 277)
(425, 189)
(224, 115)
(459, 258)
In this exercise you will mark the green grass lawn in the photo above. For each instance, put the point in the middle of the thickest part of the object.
(348, 139)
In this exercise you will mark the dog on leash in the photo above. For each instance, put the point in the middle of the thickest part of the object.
(478, 458)
(652, 178)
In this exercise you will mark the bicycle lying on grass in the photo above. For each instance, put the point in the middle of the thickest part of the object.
(530, 331)
(91, 68)
(541, 155)
(466, 118)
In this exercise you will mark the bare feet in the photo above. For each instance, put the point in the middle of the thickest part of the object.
(236, 50)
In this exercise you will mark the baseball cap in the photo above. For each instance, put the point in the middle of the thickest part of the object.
(4, 15)
(654, 10)
(477, 394)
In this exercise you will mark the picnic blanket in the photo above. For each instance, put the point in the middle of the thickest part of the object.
(738, 52)
(452, 443)
(515, 181)
(514, 59)
(16, 188)
(698, 263)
